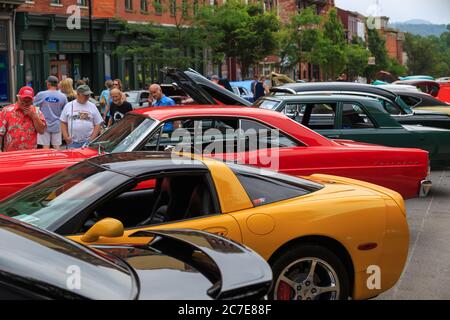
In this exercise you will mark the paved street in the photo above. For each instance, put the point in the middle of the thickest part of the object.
(427, 272)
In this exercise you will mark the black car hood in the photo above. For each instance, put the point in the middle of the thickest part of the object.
(202, 90)
(188, 264)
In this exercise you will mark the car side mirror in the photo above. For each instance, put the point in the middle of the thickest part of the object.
(108, 227)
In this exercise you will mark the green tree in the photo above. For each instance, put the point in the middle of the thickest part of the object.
(331, 46)
(157, 45)
(429, 55)
(357, 58)
(377, 46)
(422, 53)
(298, 37)
(396, 69)
(237, 30)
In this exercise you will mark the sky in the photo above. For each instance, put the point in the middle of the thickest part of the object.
(435, 11)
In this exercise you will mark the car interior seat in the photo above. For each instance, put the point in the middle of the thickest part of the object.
(174, 195)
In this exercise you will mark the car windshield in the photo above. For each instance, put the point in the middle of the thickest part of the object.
(57, 198)
(122, 134)
(132, 97)
(267, 104)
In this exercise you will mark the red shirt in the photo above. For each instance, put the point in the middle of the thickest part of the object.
(17, 129)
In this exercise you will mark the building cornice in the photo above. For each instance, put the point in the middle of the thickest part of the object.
(11, 3)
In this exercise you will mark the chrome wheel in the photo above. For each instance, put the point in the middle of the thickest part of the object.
(307, 279)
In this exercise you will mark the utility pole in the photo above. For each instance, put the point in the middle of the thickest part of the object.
(91, 48)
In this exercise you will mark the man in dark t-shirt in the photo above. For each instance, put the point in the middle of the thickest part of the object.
(119, 107)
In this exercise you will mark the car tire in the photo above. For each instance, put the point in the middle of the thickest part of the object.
(293, 280)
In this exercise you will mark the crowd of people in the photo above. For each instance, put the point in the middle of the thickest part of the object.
(64, 115)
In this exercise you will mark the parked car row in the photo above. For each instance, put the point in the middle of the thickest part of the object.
(293, 197)
(127, 198)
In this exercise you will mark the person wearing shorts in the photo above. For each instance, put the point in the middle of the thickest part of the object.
(51, 102)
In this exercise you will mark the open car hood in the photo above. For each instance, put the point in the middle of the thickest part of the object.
(202, 90)
(217, 261)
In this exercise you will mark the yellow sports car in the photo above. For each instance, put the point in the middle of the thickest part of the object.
(325, 237)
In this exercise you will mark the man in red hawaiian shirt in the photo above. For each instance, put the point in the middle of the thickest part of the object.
(20, 123)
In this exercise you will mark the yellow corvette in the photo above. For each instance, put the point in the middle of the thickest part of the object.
(325, 237)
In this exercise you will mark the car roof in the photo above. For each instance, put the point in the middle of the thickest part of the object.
(328, 97)
(417, 82)
(143, 163)
(349, 86)
(163, 113)
(272, 118)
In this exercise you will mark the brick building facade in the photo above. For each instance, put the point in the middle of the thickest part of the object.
(46, 46)
(395, 40)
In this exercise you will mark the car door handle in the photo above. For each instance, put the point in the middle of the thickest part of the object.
(334, 137)
(221, 231)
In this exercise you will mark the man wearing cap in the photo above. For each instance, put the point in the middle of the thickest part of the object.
(80, 120)
(20, 123)
(51, 102)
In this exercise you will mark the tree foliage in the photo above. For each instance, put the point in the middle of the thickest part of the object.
(156, 45)
(357, 58)
(428, 55)
(298, 38)
(241, 31)
(377, 47)
(332, 46)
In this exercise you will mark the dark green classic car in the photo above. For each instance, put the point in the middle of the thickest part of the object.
(361, 119)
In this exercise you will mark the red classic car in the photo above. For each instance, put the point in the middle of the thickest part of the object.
(253, 136)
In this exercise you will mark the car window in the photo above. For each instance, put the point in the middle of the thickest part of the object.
(218, 135)
(132, 96)
(313, 115)
(354, 117)
(145, 95)
(267, 104)
(123, 134)
(264, 136)
(390, 107)
(195, 133)
(172, 197)
(243, 91)
(265, 187)
(411, 101)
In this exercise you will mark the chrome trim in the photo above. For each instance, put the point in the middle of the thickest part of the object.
(425, 187)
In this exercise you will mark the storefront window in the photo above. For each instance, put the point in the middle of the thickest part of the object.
(128, 74)
(107, 66)
(4, 63)
(4, 76)
(32, 70)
